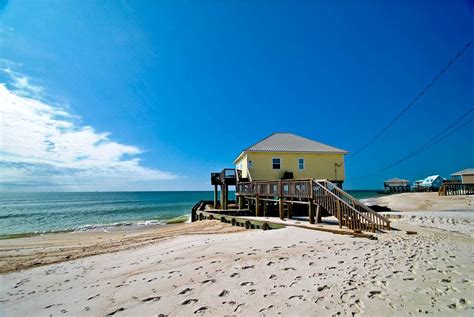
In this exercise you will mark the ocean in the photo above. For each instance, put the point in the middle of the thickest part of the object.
(36, 213)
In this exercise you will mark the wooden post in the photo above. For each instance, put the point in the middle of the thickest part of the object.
(281, 208)
(222, 197)
(226, 197)
(215, 196)
(311, 211)
(318, 213)
(339, 213)
(241, 202)
(257, 206)
(290, 210)
(265, 208)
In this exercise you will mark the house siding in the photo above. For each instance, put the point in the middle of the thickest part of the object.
(316, 165)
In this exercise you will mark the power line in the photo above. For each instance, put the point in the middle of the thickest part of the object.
(421, 93)
(438, 138)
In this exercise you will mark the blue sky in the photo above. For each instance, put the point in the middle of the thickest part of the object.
(154, 95)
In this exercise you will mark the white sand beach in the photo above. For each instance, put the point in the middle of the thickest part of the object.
(289, 271)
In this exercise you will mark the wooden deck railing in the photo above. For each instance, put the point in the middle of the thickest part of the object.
(348, 210)
(450, 189)
(380, 221)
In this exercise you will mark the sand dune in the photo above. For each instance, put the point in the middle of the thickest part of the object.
(288, 271)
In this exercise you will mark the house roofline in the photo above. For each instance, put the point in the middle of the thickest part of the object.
(303, 152)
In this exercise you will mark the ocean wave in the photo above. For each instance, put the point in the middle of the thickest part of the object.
(152, 222)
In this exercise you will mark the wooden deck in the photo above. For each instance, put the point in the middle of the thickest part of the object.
(318, 195)
(451, 189)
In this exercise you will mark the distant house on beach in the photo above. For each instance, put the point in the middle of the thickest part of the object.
(289, 156)
(417, 185)
(396, 185)
(431, 183)
(464, 177)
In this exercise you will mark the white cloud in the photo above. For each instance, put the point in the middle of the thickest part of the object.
(42, 146)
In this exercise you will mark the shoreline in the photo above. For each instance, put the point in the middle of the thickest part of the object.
(213, 268)
(39, 250)
(111, 227)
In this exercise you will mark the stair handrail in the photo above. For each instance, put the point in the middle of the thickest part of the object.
(344, 202)
(356, 201)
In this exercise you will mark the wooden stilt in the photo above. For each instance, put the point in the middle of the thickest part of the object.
(215, 196)
(311, 211)
(257, 206)
(265, 208)
(281, 209)
(290, 210)
(226, 196)
(222, 197)
(318, 213)
(241, 202)
(339, 213)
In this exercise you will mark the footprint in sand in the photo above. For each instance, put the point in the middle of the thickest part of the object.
(246, 283)
(239, 308)
(185, 291)
(116, 311)
(266, 309)
(223, 293)
(234, 275)
(209, 281)
(201, 310)
(372, 294)
(152, 298)
(189, 301)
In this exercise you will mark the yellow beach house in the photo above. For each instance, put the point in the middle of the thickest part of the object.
(289, 156)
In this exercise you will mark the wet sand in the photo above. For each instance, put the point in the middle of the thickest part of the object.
(24, 253)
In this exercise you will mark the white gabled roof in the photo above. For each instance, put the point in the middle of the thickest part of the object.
(430, 179)
(467, 171)
(288, 142)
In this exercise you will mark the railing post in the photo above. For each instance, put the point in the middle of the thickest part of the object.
(257, 206)
(281, 207)
(339, 213)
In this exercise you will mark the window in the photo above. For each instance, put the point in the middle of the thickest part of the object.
(250, 164)
(276, 163)
(301, 164)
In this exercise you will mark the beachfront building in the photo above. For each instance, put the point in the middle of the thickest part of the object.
(431, 183)
(396, 185)
(287, 176)
(289, 156)
(417, 185)
(464, 177)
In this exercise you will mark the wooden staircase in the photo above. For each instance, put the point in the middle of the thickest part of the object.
(348, 210)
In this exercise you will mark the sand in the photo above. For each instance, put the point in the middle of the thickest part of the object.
(289, 271)
(17, 254)
(423, 202)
